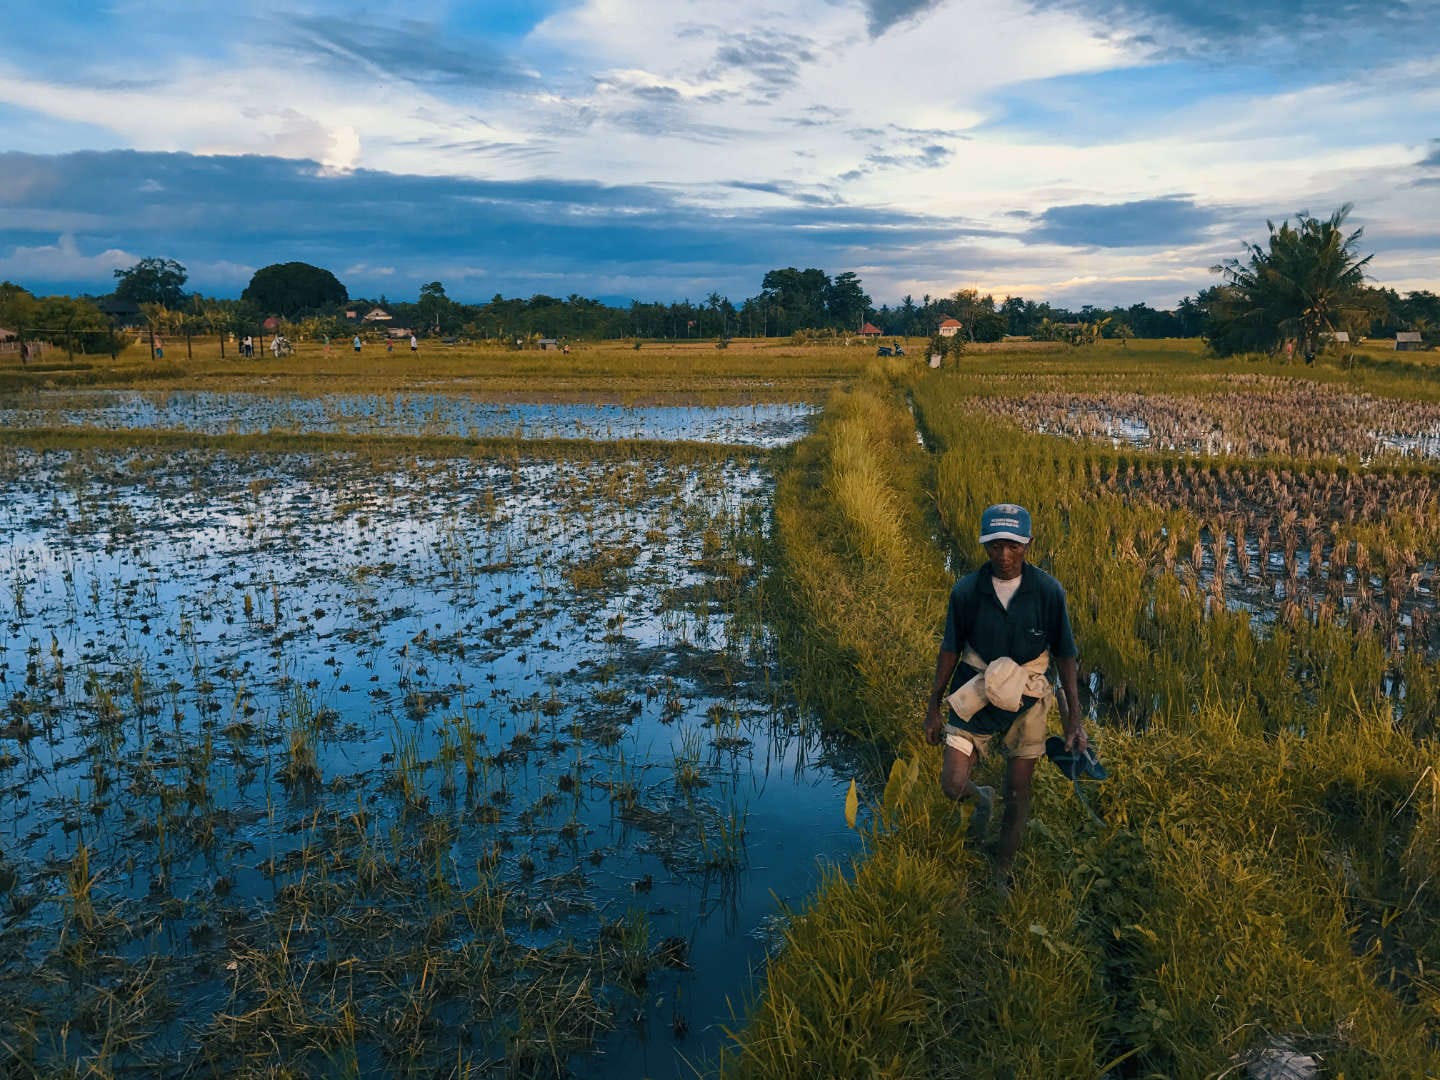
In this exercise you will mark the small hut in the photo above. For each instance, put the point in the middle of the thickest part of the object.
(870, 330)
(123, 314)
(1409, 341)
(950, 327)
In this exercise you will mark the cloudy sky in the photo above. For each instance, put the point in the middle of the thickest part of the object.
(1100, 151)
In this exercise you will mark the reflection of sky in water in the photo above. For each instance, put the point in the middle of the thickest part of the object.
(1423, 445)
(408, 414)
(447, 579)
(1117, 427)
(1130, 429)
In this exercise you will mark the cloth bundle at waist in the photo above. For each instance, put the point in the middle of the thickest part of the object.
(1002, 683)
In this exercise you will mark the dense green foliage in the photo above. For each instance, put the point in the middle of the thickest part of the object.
(152, 281)
(1306, 281)
(63, 321)
(293, 288)
(1418, 310)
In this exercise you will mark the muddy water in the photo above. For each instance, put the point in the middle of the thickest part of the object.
(279, 699)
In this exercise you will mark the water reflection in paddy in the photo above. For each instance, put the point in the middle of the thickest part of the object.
(465, 726)
(406, 414)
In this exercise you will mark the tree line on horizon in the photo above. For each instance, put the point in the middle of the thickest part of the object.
(1305, 282)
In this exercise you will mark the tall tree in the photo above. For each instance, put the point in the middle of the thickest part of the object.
(795, 298)
(293, 288)
(438, 313)
(152, 281)
(846, 302)
(1307, 280)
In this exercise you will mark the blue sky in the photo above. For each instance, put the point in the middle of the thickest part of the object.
(1080, 151)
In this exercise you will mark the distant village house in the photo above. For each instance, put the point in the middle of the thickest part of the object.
(123, 314)
(870, 330)
(11, 344)
(1409, 341)
(950, 327)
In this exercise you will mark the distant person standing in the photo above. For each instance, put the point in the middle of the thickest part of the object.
(414, 345)
(356, 343)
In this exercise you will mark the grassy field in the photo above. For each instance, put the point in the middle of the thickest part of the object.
(746, 371)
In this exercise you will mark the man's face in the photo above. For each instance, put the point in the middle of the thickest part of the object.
(1006, 557)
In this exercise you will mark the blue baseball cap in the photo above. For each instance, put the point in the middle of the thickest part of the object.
(1005, 521)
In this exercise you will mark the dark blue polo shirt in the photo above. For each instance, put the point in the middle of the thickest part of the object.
(1036, 620)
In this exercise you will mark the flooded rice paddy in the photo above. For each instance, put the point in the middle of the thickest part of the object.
(311, 763)
(1252, 417)
(210, 413)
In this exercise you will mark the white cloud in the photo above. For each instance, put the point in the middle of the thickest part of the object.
(700, 99)
(62, 261)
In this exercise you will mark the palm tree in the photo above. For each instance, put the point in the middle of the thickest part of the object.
(1306, 282)
(713, 302)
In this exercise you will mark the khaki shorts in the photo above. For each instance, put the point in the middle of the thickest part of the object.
(1025, 739)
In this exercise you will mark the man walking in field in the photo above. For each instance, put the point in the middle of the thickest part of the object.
(1005, 624)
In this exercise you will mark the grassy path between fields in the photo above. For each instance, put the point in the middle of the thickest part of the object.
(1230, 911)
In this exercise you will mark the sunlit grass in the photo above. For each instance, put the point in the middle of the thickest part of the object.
(1262, 886)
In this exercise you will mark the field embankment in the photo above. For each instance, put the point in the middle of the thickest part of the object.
(1263, 888)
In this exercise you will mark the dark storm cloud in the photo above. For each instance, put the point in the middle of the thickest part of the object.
(1144, 223)
(883, 14)
(1281, 32)
(516, 236)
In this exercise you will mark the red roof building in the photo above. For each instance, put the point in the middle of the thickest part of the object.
(870, 330)
(949, 327)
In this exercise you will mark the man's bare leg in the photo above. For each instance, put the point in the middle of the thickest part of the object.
(1018, 775)
(955, 782)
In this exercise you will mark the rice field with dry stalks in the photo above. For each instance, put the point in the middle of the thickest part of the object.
(1243, 416)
